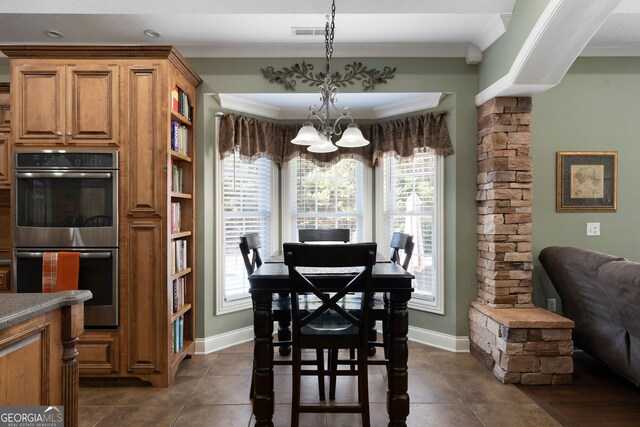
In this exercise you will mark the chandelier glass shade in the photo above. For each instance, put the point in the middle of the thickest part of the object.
(319, 139)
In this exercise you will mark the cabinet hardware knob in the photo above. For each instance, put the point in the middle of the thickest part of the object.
(68, 133)
(59, 133)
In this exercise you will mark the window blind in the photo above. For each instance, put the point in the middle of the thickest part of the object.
(327, 196)
(247, 189)
(410, 207)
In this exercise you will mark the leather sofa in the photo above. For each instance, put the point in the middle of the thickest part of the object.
(601, 294)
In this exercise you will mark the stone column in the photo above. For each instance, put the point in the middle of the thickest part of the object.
(520, 343)
(504, 196)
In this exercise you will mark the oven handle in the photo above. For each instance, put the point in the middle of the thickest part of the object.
(84, 255)
(61, 174)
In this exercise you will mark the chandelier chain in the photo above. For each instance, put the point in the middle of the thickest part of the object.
(329, 31)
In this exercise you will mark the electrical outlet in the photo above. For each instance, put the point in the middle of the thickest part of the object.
(593, 229)
(551, 304)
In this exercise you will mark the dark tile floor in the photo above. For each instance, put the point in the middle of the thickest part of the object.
(446, 389)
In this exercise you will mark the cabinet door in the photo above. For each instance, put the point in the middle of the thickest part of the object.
(5, 278)
(39, 104)
(92, 105)
(145, 189)
(5, 113)
(5, 178)
(146, 297)
(98, 352)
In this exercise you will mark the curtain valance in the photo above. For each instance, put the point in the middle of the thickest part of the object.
(253, 138)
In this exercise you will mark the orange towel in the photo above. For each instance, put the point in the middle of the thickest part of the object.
(60, 271)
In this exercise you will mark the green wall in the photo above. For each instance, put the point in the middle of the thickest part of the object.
(596, 107)
(498, 57)
(413, 75)
(4, 69)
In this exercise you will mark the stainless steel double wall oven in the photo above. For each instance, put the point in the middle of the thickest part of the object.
(68, 201)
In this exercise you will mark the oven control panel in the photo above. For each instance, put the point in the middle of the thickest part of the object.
(65, 160)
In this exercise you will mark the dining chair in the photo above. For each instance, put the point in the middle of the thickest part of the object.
(379, 310)
(324, 235)
(280, 307)
(328, 325)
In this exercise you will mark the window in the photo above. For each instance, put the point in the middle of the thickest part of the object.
(246, 205)
(335, 196)
(411, 193)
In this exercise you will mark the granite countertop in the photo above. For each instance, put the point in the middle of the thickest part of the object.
(16, 308)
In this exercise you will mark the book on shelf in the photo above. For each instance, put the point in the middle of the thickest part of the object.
(177, 339)
(179, 288)
(183, 290)
(174, 98)
(180, 102)
(175, 218)
(176, 336)
(176, 178)
(173, 258)
(176, 295)
(179, 138)
(172, 339)
(179, 251)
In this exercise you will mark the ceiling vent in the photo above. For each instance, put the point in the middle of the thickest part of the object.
(307, 31)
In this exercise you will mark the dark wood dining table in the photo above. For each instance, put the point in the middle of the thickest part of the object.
(273, 278)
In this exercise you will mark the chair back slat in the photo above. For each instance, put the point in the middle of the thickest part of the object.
(298, 255)
(408, 251)
(324, 235)
(250, 250)
(404, 242)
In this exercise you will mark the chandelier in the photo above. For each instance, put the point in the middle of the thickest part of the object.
(319, 140)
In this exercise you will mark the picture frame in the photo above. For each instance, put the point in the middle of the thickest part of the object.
(586, 181)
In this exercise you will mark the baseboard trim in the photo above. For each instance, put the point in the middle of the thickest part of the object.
(224, 340)
(439, 340)
(419, 335)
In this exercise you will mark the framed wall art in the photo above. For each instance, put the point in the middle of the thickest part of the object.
(586, 181)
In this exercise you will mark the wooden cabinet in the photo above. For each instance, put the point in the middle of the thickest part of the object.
(30, 362)
(5, 241)
(160, 221)
(98, 352)
(120, 97)
(5, 276)
(5, 108)
(5, 158)
(56, 103)
(38, 335)
(5, 133)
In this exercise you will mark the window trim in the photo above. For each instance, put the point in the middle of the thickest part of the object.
(237, 304)
(437, 305)
(367, 203)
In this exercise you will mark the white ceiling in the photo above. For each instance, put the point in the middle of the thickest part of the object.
(259, 28)
(263, 28)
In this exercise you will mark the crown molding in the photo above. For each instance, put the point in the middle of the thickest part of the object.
(310, 50)
(495, 28)
(244, 105)
(423, 102)
(103, 52)
(296, 107)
